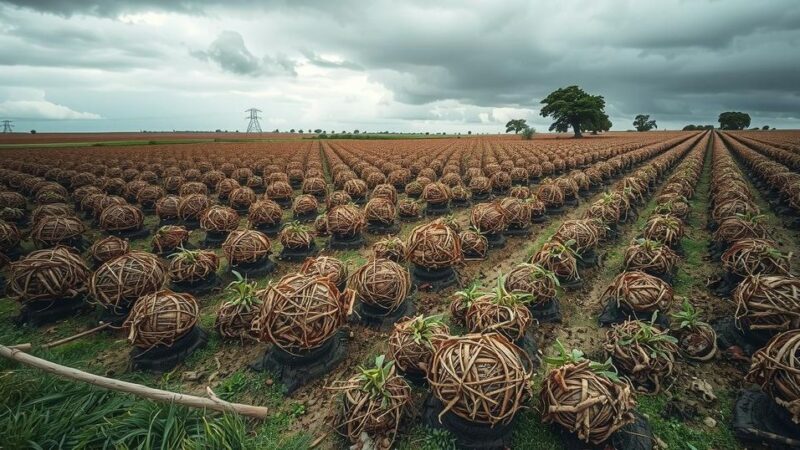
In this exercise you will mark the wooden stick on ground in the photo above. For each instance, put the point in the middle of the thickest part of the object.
(28, 346)
(214, 403)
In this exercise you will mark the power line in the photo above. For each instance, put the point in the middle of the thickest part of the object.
(8, 126)
(253, 126)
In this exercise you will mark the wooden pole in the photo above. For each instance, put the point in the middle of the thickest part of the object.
(213, 403)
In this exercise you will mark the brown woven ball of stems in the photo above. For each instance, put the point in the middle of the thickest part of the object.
(386, 191)
(755, 256)
(480, 185)
(345, 220)
(235, 320)
(413, 188)
(121, 218)
(408, 208)
(301, 312)
(11, 214)
(381, 283)
(264, 213)
(643, 352)
(473, 244)
(732, 208)
(380, 210)
(225, 186)
(315, 186)
(279, 190)
(191, 207)
(550, 194)
(104, 202)
(434, 246)
(378, 415)
(193, 187)
(590, 405)
(149, 195)
(640, 293)
(246, 247)
(489, 314)
(161, 318)
(305, 204)
(219, 218)
(241, 198)
(167, 207)
(190, 266)
(169, 237)
(321, 225)
(559, 259)
(11, 199)
(337, 198)
(356, 188)
(520, 192)
(436, 193)
(121, 281)
(52, 209)
(391, 248)
(776, 368)
(737, 228)
(51, 274)
(9, 236)
(650, 256)
(412, 343)
(326, 266)
(533, 280)
(517, 212)
(489, 218)
(482, 378)
(460, 193)
(108, 248)
(585, 233)
(296, 236)
(664, 228)
(768, 303)
(50, 231)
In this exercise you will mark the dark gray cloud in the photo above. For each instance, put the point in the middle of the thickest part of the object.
(230, 53)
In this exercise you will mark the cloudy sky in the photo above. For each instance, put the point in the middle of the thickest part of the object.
(452, 65)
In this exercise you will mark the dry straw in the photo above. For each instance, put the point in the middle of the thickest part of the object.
(161, 318)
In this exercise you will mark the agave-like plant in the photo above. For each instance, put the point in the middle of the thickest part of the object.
(235, 316)
(696, 339)
(501, 310)
(462, 300)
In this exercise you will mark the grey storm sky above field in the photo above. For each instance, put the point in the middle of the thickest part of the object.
(381, 65)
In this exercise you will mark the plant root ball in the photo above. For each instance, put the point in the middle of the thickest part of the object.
(747, 257)
(346, 221)
(488, 218)
(161, 318)
(532, 279)
(121, 218)
(219, 218)
(380, 211)
(413, 341)
(192, 265)
(121, 281)
(301, 312)
(246, 246)
(473, 244)
(381, 283)
(590, 405)
(108, 248)
(9, 236)
(391, 248)
(768, 303)
(191, 207)
(264, 213)
(640, 293)
(482, 378)
(776, 367)
(169, 238)
(51, 231)
(664, 228)
(52, 274)
(326, 266)
(650, 256)
(486, 314)
(643, 352)
(434, 246)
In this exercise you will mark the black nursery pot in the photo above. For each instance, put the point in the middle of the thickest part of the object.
(214, 239)
(41, 312)
(270, 230)
(495, 240)
(162, 358)
(339, 242)
(437, 209)
(469, 435)
(381, 228)
(298, 254)
(296, 370)
(433, 279)
(255, 269)
(384, 319)
(199, 287)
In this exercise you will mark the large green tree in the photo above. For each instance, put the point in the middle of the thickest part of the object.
(516, 125)
(734, 120)
(642, 122)
(573, 107)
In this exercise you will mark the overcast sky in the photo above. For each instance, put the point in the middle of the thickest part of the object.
(127, 65)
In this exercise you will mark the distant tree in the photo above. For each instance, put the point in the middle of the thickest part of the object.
(300, 131)
(516, 125)
(765, 127)
(469, 132)
(690, 127)
(600, 123)
(642, 122)
(573, 107)
(734, 120)
(277, 131)
(33, 131)
(291, 131)
(318, 131)
(356, 131)
(528, 133)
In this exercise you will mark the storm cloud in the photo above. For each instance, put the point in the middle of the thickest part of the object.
(413, 65)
